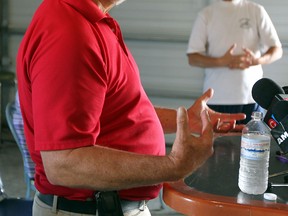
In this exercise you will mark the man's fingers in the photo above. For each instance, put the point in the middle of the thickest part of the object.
(238, 128)
(182, 123)
(207, 95)
(227, 117)
(224, 127)
(231, 49)
(207, 125)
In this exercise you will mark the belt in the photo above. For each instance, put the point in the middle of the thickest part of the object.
(76, 206)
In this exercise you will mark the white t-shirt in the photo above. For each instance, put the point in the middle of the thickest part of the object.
(216, 29)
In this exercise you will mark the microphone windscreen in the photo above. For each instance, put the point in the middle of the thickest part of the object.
(280, 110)
(264, 90)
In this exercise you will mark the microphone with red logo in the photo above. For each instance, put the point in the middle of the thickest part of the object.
(267, 93)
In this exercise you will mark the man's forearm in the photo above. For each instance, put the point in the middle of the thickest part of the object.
(100, 168)
(199, 60)
(272, 54)
(167, 118)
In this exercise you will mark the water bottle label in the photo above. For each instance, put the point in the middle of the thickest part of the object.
(255, 149)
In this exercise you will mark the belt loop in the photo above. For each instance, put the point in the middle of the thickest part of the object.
(54, 206)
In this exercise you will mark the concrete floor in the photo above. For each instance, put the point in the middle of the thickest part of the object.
(11, 172)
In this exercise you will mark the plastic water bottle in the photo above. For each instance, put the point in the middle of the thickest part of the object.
(254, 158)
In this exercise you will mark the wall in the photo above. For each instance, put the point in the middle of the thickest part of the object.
(157, 33)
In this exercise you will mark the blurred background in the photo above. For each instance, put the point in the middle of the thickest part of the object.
(157, 33)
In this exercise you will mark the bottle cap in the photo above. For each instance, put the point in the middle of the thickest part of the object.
(270, 196)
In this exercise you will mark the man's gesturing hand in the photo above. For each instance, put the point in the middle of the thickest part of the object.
(190, 152)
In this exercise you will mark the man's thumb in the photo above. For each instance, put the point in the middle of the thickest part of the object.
(182, 122)
(231, 49)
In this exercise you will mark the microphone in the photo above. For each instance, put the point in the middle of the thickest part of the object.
(280, 110)
(267, 93)
(279, 133)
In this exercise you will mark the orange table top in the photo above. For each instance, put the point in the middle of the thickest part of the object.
(213, 188)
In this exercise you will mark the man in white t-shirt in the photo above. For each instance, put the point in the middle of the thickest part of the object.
(231, 39)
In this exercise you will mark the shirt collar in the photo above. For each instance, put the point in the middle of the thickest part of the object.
(88, 9)
(231, 2)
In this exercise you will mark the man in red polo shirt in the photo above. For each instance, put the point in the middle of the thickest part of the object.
(89, 125)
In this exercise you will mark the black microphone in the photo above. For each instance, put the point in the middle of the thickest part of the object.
(280, 132)
(280, 110)
(267, 93)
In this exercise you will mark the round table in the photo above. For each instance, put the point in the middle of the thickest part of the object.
(213, 188)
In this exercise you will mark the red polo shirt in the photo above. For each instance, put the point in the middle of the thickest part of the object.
(79, 86)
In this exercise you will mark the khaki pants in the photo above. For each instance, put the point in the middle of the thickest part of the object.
(41, 209)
